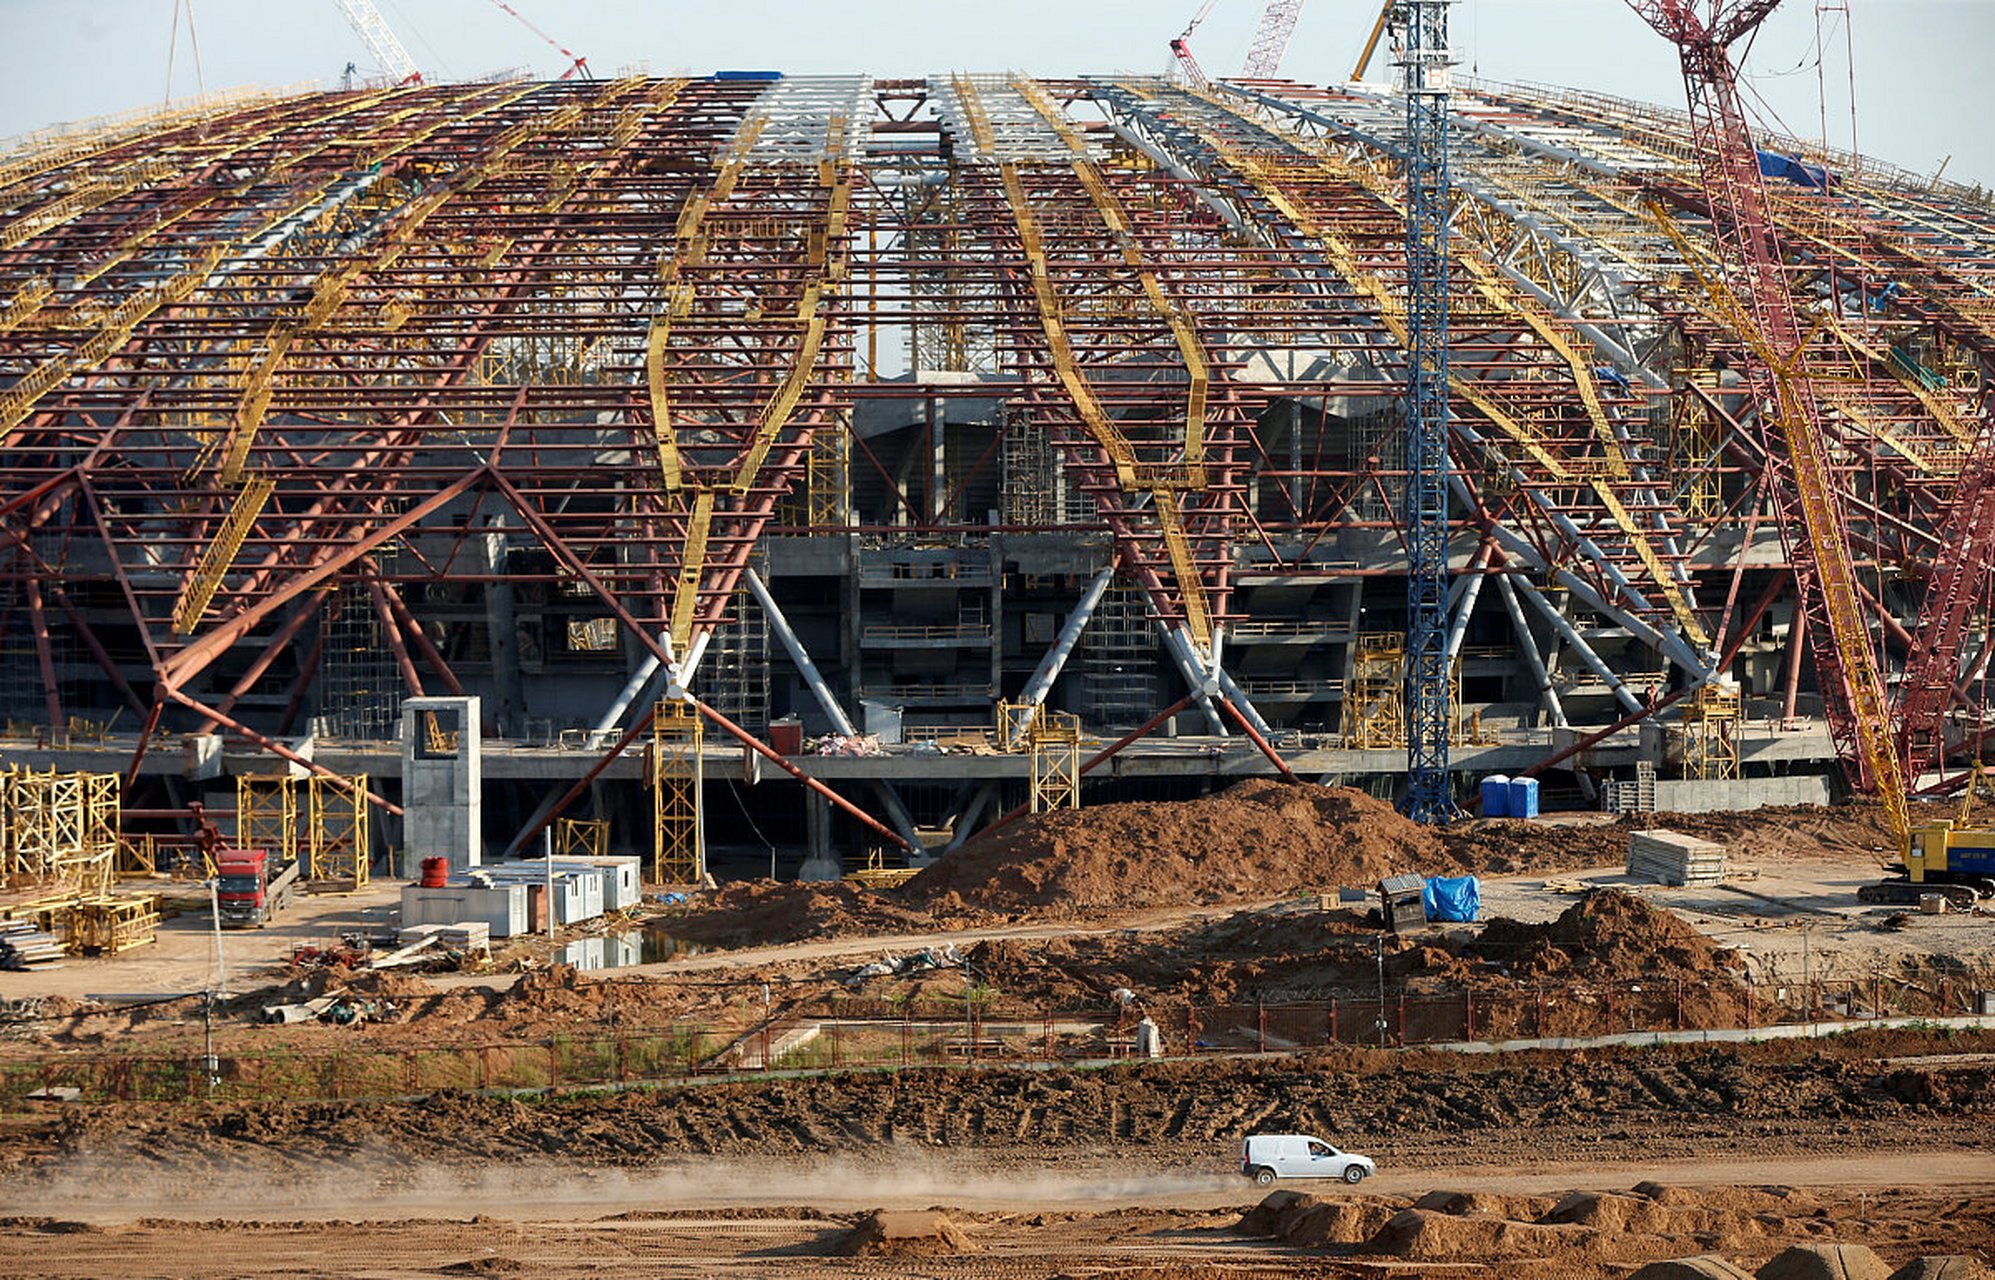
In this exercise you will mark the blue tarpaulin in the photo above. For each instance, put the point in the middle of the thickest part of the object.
(1452, 899)
(1774, 165)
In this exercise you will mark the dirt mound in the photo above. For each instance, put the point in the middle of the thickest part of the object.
(1424, 1236)
(1463, 1203)
(1258, 838)
(1705, 1267)
(1949, 1267)
(754, 912)
(1825, 1262)
(904, 1233)
(1310, 1223)
(1609, 934)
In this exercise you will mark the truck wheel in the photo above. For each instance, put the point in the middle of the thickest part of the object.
(1264, 1177)
(1354, 1174)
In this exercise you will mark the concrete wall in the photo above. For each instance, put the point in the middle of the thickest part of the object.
(1684, 795)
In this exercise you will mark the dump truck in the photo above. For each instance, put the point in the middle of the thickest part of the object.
(253, 885)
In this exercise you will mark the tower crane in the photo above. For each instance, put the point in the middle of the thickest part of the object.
(1853, 695)
(1181, 49)
(1426, 60)
(380, 40)
(1264, 55)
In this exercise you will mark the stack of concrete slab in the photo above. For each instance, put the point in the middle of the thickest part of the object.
(29, 947)
(1669, 857)
(471, 935)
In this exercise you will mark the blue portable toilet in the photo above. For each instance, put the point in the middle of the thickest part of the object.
(1496, 796)
(1523, 797)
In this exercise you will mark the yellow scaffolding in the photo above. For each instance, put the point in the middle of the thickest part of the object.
(1712, 717)
(581, 837)
(1375, 699)
(267, 813)
(62, 830)
(679, 842)
(1055, 737)
(105, 926)
(338, 846)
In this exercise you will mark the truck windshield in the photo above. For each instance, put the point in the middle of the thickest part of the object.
(240, 884)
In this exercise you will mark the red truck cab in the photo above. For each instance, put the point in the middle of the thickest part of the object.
(249, 889)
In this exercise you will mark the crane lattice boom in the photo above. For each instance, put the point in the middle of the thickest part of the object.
(1264, 55)
(1749, 255)
(380, 40)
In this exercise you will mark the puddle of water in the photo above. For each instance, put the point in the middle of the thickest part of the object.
(635, 946)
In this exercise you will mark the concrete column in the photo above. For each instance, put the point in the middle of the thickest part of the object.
(443, 780)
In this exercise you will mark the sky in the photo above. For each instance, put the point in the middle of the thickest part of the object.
(1922, 83)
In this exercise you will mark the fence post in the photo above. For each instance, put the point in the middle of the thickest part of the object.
(1679, 1004)
(1468, 1014)
(1399, 1035)
(1046, 1022)
(1191, 1031)
(1333, 1020)
(1260, 1027)
(1752, 1004)
(1541, 1011)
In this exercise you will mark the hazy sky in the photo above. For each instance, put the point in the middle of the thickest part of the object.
(1924, 88)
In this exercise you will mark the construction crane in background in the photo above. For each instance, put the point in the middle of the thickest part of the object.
(1264, 55)
(1371, 41)
(1961, 572)
(577, 64)
(388, 52)
(1426, 60)
(1749, 259)
(1181, 49)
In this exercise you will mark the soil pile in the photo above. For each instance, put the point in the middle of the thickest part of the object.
(755, 912)
(1257, 839)
(1825, 1262)
(1606, 935)
(904, 1233)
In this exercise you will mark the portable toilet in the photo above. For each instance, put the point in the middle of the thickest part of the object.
(1523, 797)
(1496, 796)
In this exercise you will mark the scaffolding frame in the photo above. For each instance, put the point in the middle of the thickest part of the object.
(339, 832)
(1712, 719)
(1055, 739)
(581, 837)
(679, 838)
(1375, 698)
(267, 813)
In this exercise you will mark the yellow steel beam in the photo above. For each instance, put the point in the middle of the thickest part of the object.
(221, 554)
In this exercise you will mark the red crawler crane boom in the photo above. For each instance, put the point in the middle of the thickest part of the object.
(1749, 255)
(1181, 49)
(1960, 575)
(577, 65)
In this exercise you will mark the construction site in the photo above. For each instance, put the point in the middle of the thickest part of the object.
(847, 675)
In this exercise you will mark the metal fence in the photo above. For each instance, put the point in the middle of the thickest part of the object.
(869, 1033)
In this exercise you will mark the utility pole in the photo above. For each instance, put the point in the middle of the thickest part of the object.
(1380, 940)
(1426, 61)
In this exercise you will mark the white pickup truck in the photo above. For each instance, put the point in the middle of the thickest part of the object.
(1267, 1156)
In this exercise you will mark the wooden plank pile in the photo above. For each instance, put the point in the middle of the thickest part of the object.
(1669, 857)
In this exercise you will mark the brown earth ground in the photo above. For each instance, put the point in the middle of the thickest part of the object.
(1877, 1137)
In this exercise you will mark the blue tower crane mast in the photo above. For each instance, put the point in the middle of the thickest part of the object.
(1425, 60)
